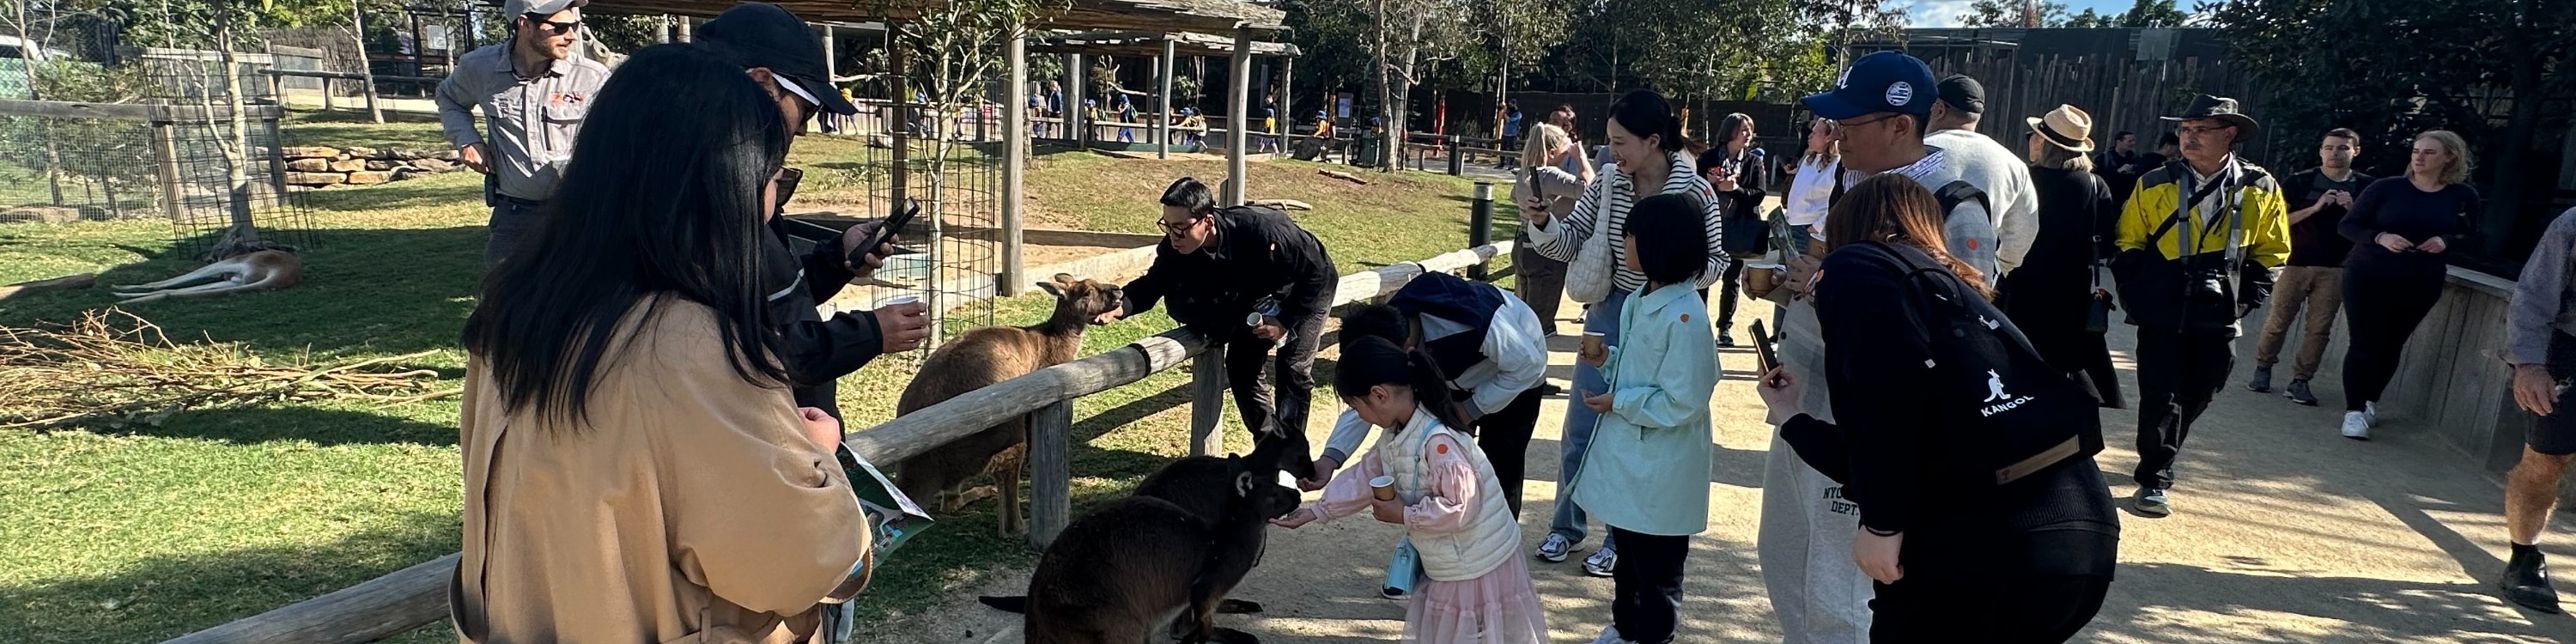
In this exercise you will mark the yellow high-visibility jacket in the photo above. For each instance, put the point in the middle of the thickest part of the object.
(2267, 217)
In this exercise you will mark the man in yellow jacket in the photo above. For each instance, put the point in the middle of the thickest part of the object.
(2188, 273)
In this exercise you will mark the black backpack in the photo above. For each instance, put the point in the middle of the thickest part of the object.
(2028, 417)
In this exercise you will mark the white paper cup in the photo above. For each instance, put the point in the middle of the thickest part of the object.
(1383, 488)
(898, 300)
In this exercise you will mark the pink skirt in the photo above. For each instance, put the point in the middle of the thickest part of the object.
(1498, 608)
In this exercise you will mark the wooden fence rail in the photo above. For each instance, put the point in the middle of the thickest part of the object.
(416, 596)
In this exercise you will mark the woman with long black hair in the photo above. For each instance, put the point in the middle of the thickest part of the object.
(1741, 175)
(635, 468)
(1653, 158)
(2025, 561)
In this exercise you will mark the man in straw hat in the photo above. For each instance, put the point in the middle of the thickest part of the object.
(2051, 297)
(2199, 242)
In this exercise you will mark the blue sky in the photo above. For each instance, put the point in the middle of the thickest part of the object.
(1944, 13)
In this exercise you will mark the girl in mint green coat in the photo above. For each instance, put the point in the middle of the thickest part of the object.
(1646, 474)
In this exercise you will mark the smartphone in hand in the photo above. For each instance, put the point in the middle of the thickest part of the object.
(858, 255)
(1765, 350)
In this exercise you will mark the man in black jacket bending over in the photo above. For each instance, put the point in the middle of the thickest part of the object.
(1250, 280)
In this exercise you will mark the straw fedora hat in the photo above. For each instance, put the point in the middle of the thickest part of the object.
(2065, 127)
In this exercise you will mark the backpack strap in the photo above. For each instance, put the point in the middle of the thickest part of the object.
(1957, 192)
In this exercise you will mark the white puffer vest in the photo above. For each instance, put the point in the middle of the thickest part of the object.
(1456, 556)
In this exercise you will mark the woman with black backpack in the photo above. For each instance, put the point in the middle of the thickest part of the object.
(1983, 516)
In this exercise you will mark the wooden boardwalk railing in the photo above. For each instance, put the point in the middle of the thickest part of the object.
(416, 596)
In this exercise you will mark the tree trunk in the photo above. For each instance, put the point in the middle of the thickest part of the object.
(243, 235)
(2497, 223)
(366, 70)
(1385, 89)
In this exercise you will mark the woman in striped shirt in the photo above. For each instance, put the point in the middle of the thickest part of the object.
(1647, 143)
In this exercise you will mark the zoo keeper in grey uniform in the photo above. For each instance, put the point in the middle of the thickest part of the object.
(533, 92)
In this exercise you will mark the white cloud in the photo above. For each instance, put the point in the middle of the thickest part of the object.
(1936, 13)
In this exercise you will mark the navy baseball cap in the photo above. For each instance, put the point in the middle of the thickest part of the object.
(1886, 81)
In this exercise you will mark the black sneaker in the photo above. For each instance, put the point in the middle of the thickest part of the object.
(2297, 392)
(2262, 382)
(2526, 582)
(1725, 340)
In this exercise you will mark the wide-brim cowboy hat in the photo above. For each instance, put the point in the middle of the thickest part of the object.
(2065, 127)
(2221, 109)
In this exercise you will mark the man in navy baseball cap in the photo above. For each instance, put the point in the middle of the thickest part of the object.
(1886, 81)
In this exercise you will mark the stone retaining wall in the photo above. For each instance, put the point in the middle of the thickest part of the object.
(317, 167)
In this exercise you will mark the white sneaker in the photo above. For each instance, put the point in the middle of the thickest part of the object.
(2356, 425)
(2370, 412)
(1609, 635)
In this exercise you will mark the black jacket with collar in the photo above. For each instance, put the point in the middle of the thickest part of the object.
(1258, 252)
(816, 351)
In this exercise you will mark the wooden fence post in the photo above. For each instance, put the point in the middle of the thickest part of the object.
(1050, 472)
(165, 152)
(1207, 403)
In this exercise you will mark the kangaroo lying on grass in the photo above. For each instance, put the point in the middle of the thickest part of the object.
(1127, 566)
(266, 270)
(978, 359)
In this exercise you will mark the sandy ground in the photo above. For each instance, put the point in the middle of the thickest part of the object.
(2284, 532)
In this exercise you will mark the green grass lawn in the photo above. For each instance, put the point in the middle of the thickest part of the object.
(150, 532)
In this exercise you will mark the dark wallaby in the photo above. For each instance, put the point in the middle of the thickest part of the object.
(1126, 566)
(978, 359)
(1200, 487)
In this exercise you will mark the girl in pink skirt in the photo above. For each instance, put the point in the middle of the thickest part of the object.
(1477, 590)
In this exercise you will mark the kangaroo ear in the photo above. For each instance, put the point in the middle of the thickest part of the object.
(1243, 483)
(1065, 279)
(1052, 289)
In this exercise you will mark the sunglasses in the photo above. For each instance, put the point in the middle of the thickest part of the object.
(786, 181)
(551, 26)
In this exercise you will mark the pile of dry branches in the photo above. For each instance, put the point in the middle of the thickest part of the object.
(114, 369)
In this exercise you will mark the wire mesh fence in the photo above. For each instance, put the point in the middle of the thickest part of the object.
(957, 233)
(97, 124)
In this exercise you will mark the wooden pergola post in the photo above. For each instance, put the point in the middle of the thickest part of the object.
(1287, 81)
(1015, 152)
(1238, 100)
(1163, 130)
(1075, 116)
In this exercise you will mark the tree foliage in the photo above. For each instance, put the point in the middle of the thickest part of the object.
(2153, 13)
(2026, 14)
(2392, 68)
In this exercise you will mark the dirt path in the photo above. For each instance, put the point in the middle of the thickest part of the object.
(2284, 532)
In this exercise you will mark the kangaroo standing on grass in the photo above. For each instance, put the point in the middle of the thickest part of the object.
(980, 358)
(266, 270)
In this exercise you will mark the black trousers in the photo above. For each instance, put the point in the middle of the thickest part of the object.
(1726, 291)
(1646, 602)
(2178, 374)
(1505, 437)
(2383, 311)
(1294, 363)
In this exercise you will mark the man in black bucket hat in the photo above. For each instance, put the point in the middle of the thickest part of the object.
(2199, 242)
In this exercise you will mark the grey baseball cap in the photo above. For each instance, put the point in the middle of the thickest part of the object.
(515, 8)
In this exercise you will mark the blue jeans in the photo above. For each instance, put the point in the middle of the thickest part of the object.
(1603, 318)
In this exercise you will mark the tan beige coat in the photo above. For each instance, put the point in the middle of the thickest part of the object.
(690, 508)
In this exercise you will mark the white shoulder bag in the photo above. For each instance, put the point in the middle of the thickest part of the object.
(1588, 279)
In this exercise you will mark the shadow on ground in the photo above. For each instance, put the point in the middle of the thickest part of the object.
(194, 591)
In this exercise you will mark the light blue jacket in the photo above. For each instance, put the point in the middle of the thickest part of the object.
(1647, 469)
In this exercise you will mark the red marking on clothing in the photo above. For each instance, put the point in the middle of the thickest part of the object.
(1685, 317)
(1972, 244)
(1441, 448)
